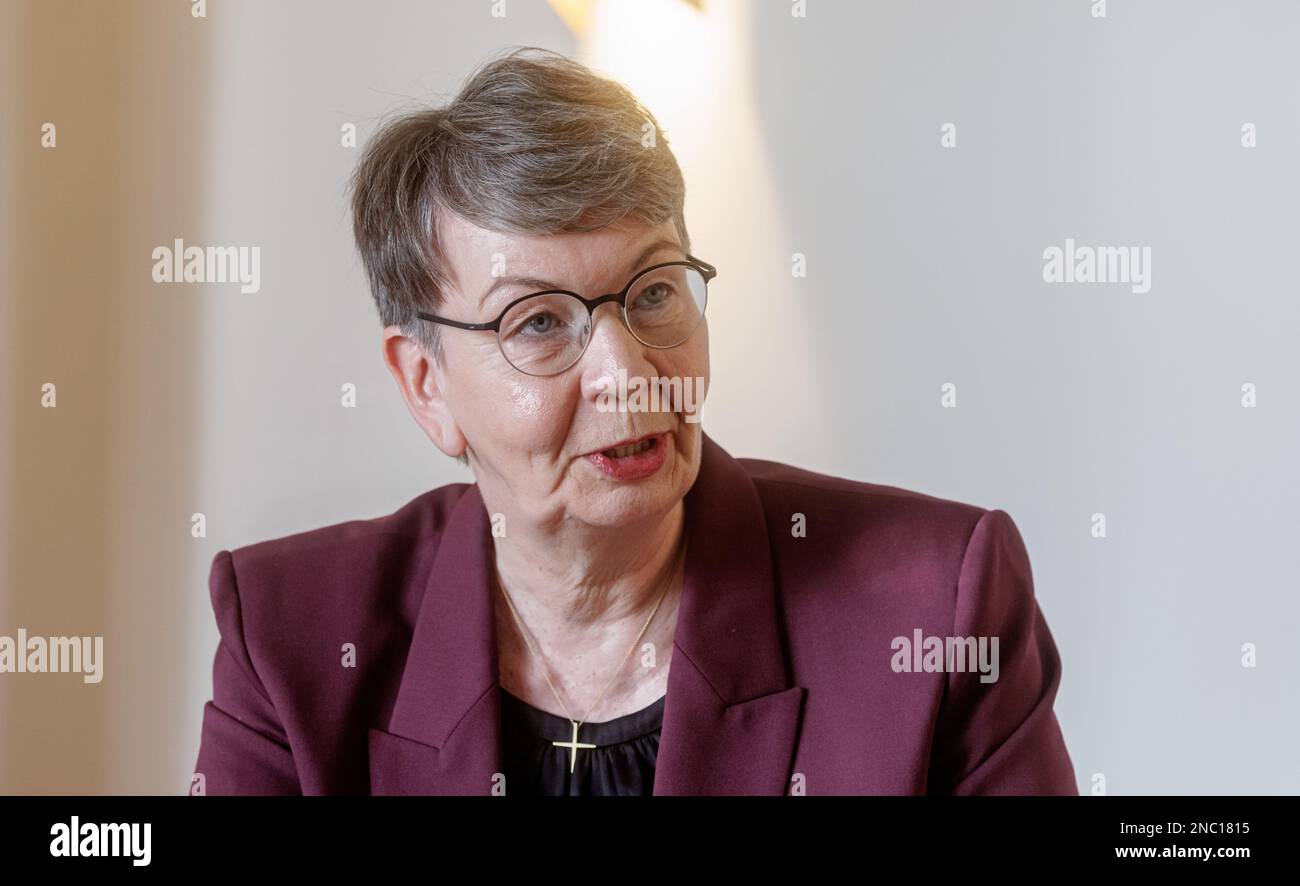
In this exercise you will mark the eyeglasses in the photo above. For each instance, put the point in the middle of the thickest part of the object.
(547, 332)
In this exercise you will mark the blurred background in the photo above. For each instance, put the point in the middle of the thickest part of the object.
(808, 131)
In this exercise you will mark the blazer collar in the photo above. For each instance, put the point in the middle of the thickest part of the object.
(731, 715)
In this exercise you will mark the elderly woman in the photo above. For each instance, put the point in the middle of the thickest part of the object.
(616, 605)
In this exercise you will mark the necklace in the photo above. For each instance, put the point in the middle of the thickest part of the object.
(573, 745)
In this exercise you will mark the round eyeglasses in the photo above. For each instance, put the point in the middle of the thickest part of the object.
(545, 333)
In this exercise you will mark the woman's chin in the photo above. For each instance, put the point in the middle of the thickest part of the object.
(603, 503)
(623, 507)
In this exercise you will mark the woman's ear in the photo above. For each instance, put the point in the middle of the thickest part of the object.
(421, 382)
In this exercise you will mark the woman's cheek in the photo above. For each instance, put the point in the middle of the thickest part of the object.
(526, 400)
(539, 417)
(694, 364)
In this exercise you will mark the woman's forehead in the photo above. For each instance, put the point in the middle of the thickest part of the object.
(478, 255)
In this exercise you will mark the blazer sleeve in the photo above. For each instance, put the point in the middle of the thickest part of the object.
(1001, 737)
(243, 748)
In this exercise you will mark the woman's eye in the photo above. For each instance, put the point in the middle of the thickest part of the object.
(653, 295)
(538, 324)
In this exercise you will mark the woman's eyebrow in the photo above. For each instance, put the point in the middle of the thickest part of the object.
(516, 280)
(657, 246)
(540, 284)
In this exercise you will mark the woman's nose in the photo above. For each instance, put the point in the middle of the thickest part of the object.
(612, 348)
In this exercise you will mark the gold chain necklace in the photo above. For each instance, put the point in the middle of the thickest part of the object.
(574, 744)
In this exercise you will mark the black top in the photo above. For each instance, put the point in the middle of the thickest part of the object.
(622, 763)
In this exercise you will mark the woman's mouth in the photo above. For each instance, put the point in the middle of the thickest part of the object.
(624, 451)
(632, 461)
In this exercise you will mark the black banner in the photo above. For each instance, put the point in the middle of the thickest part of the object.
(326, 834)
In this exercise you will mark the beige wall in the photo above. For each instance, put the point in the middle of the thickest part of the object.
(95, 490)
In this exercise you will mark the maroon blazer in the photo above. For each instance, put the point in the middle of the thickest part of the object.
(783, 666)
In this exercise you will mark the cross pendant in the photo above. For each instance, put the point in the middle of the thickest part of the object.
(573, 746)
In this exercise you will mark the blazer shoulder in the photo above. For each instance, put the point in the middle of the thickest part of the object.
(286, 595)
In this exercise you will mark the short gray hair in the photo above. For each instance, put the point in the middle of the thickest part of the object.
(535, 143)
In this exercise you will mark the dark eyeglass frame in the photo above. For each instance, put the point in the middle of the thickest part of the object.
(707, 270)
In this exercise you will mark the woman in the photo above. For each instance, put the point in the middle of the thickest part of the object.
(616, 605)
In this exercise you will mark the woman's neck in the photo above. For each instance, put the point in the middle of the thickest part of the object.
(586, 577)
(583, 596)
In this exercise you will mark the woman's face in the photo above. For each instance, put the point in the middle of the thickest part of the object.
(540, 446)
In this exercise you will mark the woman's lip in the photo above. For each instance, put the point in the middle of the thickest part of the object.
(630, 468)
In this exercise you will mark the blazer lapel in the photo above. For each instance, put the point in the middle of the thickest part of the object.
(444, 736)
(731, 717)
